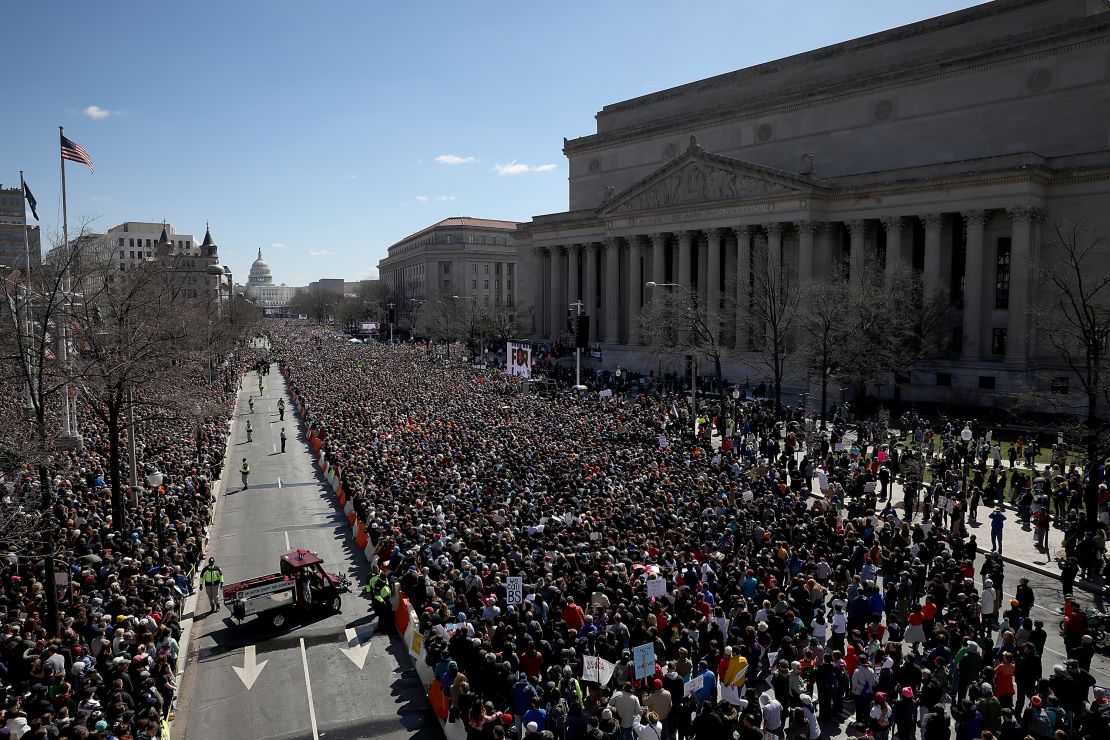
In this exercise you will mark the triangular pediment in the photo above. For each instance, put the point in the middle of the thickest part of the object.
(696, 176)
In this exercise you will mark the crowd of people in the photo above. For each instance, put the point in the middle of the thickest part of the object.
(727, 600)
(111, 670)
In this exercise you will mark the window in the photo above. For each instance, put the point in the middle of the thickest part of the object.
(497, 269)
(508, 285)
(485, 269)
(446, 268)
(485, 284)
(474, 285)
(474, 269)
(986, 382)
(147, 242)
(509, 267)
(132, 254)
(1002, 274)
(121, 253)
(998, 341)
(944, 379)
(449, 238)
(1060, 385)
(121, 241)
(470, 239)
(131, 242)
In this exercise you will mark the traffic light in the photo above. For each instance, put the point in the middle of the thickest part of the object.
(582, 332)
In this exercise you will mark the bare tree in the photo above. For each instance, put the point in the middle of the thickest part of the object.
(1071, 314)
(674, 324)
(138, 345)
(828, 317)
(775, 298)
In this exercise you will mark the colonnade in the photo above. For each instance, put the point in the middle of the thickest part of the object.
(608, 275)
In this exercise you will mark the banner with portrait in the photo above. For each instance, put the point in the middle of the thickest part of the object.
(518, 359)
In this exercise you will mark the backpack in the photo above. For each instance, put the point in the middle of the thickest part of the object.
(557, 716)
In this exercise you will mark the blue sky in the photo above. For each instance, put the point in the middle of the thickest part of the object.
(324, 132)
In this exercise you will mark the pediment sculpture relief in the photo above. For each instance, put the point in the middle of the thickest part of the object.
(698, 183)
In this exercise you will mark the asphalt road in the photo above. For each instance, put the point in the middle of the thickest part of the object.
(307, 687)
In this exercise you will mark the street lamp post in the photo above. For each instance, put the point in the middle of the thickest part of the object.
(577, 306)
(154, 478)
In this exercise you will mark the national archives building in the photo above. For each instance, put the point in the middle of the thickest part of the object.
(946, 146)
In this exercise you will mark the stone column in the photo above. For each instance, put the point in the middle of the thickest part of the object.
(1022, 224)
(806, 231)
(558, 310)
(684, 240)
(933, 223)
(713, 281)
(703, 269)
(858, 230)
(774, 250)
(539, 281)
(893, 228)
(589, 254)
(659, 258)
(612, 290)
(826, 235)
(635, 288)
(574, 252)
(743, 286)
(973, 285)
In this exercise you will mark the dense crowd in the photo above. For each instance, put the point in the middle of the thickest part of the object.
(111, 670)
(781, 613)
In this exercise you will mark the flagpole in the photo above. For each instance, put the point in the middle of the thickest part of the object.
(63, 355)
(27, 324)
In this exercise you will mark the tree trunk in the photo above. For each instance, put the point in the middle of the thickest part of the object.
(118, 513)
(1093, 425)
(824, 397)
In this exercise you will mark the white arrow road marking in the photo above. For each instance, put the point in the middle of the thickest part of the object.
(308, 688)
(251, 670)
(355, 651)
(287, 548)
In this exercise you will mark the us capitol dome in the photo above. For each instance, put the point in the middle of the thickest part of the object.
(259, 275)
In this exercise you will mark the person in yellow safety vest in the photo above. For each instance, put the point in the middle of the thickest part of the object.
(244, 470)
(373, 582)
(281, 409)
(383, 607)
(212, 578)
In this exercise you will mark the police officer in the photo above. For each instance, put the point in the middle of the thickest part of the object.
(212, 578)
(281, 409)
(382, 595)
(250, 431)
(283, 438)
(244, 470)
(250, 402)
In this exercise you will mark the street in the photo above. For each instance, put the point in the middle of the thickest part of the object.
(325, 676)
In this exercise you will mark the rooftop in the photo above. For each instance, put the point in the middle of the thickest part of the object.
(463, 222)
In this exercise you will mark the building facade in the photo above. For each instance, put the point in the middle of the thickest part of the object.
(274, 300)
(13, 224)
(927, 147)
(461, 256)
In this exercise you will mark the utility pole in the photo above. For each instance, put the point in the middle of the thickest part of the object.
(134, 478)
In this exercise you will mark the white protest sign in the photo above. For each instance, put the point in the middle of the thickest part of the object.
(691, 687)
(605, 393)
(595, 536)
(657, 587)
(663, 441)
(514, 590)
(597, 669)
(643, 658)
(729, 694)
(747, 495)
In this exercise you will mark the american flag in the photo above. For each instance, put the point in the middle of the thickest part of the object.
(74, 152)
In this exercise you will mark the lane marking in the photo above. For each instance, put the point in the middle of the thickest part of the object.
(275, 444)
(279, 481)
(308, 688)
(287, 547)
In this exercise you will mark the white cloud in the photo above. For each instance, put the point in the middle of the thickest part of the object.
(446, 198)
(96, 113)
(421, 199)
(279, 245)
(351, 177)
(317, 252)
(454, 159)
(519, 168)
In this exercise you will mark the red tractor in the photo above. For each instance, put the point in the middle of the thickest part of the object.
(301, 586)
